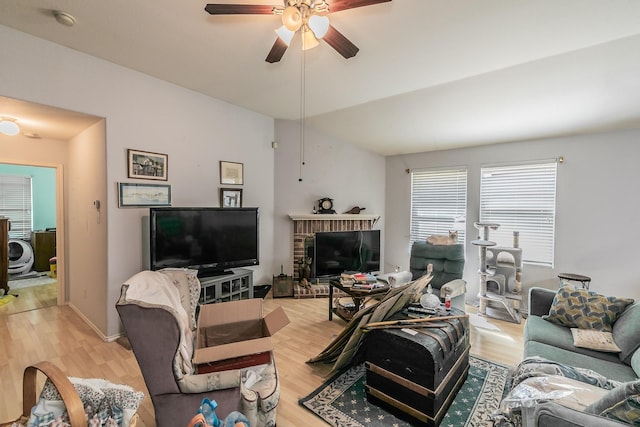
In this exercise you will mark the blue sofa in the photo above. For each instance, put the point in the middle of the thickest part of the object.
(554, 342)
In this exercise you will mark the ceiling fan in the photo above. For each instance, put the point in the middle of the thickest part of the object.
(307, 16)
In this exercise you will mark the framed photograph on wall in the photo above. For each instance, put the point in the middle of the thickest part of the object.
(231, 197)
(142, 195)
(231, 173)
(146, 165)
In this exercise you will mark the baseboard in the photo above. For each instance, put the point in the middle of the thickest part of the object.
(102, 336)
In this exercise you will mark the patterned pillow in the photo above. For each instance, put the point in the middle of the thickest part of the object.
(621, 404)
(580, 308)
(594, 340)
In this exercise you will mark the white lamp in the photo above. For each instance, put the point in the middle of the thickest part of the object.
(9, 127)
(319, 25)
(285, 34)
(309, 41)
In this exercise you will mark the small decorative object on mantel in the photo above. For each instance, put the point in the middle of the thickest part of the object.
(325, 206)
(355, 210)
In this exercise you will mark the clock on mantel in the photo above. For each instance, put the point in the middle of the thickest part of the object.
(325, 206)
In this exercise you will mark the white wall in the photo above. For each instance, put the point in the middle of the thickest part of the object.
(144, 113)
(597, 229)
(86, 227)
(346, 173)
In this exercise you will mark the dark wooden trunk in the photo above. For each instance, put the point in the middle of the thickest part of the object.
(418, 371)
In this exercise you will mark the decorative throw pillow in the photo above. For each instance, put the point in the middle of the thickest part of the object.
(100, 398)
(621, 404)
(594, 340)
(580, 308)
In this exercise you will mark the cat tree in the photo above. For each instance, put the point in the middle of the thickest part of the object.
(500, 276)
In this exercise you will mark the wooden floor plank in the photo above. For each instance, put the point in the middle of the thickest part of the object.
(58, 334)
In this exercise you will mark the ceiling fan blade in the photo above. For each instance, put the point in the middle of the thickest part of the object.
(238, 9)
(340, 43)
(338, 5)
(277, 50)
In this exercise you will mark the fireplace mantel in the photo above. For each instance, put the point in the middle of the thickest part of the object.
(336, 217)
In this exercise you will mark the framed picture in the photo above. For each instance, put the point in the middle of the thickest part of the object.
(231, 173)
(145, 165)
(140, 195)
(231, 197)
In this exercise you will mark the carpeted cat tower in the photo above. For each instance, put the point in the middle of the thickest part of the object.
(500, 276)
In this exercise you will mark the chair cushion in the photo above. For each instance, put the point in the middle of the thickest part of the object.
(447, 261)
(580, 308)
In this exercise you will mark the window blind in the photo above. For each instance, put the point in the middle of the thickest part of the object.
(438, 203)
(15, 203)
(521, 198)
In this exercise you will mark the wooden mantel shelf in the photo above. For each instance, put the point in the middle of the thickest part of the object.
(333, 217)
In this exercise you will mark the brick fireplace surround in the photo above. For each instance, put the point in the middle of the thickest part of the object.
(305, 225)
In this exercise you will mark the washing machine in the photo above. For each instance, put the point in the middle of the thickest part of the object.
(20, 256)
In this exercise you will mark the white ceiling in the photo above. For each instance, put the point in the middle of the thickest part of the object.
(430, 74)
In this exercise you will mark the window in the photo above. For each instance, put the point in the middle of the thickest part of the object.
(15, 203)
(438, 203)
(521, 198)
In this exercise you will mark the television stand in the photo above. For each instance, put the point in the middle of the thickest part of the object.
(205, 273)
(236, 285)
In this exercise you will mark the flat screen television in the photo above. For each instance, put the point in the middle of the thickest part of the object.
(336, 252)
(210, 240)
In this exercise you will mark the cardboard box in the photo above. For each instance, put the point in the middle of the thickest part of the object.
(236, 328)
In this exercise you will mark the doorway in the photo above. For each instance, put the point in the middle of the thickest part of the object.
(32, 243)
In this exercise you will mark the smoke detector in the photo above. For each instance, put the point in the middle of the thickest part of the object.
(64, 18)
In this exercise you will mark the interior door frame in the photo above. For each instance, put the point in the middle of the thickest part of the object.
(60, 230)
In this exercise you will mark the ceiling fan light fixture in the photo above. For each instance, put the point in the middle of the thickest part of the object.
(285, 34)
(319, 25)
(292, 18)
(9, 127)
(309, 40)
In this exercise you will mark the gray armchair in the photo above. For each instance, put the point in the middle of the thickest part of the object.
(158, 313)
(448, 266)
(154, 337)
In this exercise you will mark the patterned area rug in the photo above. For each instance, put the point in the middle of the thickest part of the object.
(342, 401)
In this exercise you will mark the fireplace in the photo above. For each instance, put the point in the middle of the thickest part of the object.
(305, 226)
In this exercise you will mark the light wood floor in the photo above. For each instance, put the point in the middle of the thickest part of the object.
(58, 334)
(31, 298)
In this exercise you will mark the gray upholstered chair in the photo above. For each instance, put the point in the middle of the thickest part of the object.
(448, 266)
(154, 336)
(150, 310)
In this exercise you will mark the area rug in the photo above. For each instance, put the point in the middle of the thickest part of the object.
(342, 401)
(39, 280)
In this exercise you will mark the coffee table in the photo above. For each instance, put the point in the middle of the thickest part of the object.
(357, 295)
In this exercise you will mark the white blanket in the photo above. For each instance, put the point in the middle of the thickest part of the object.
(156, 289)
